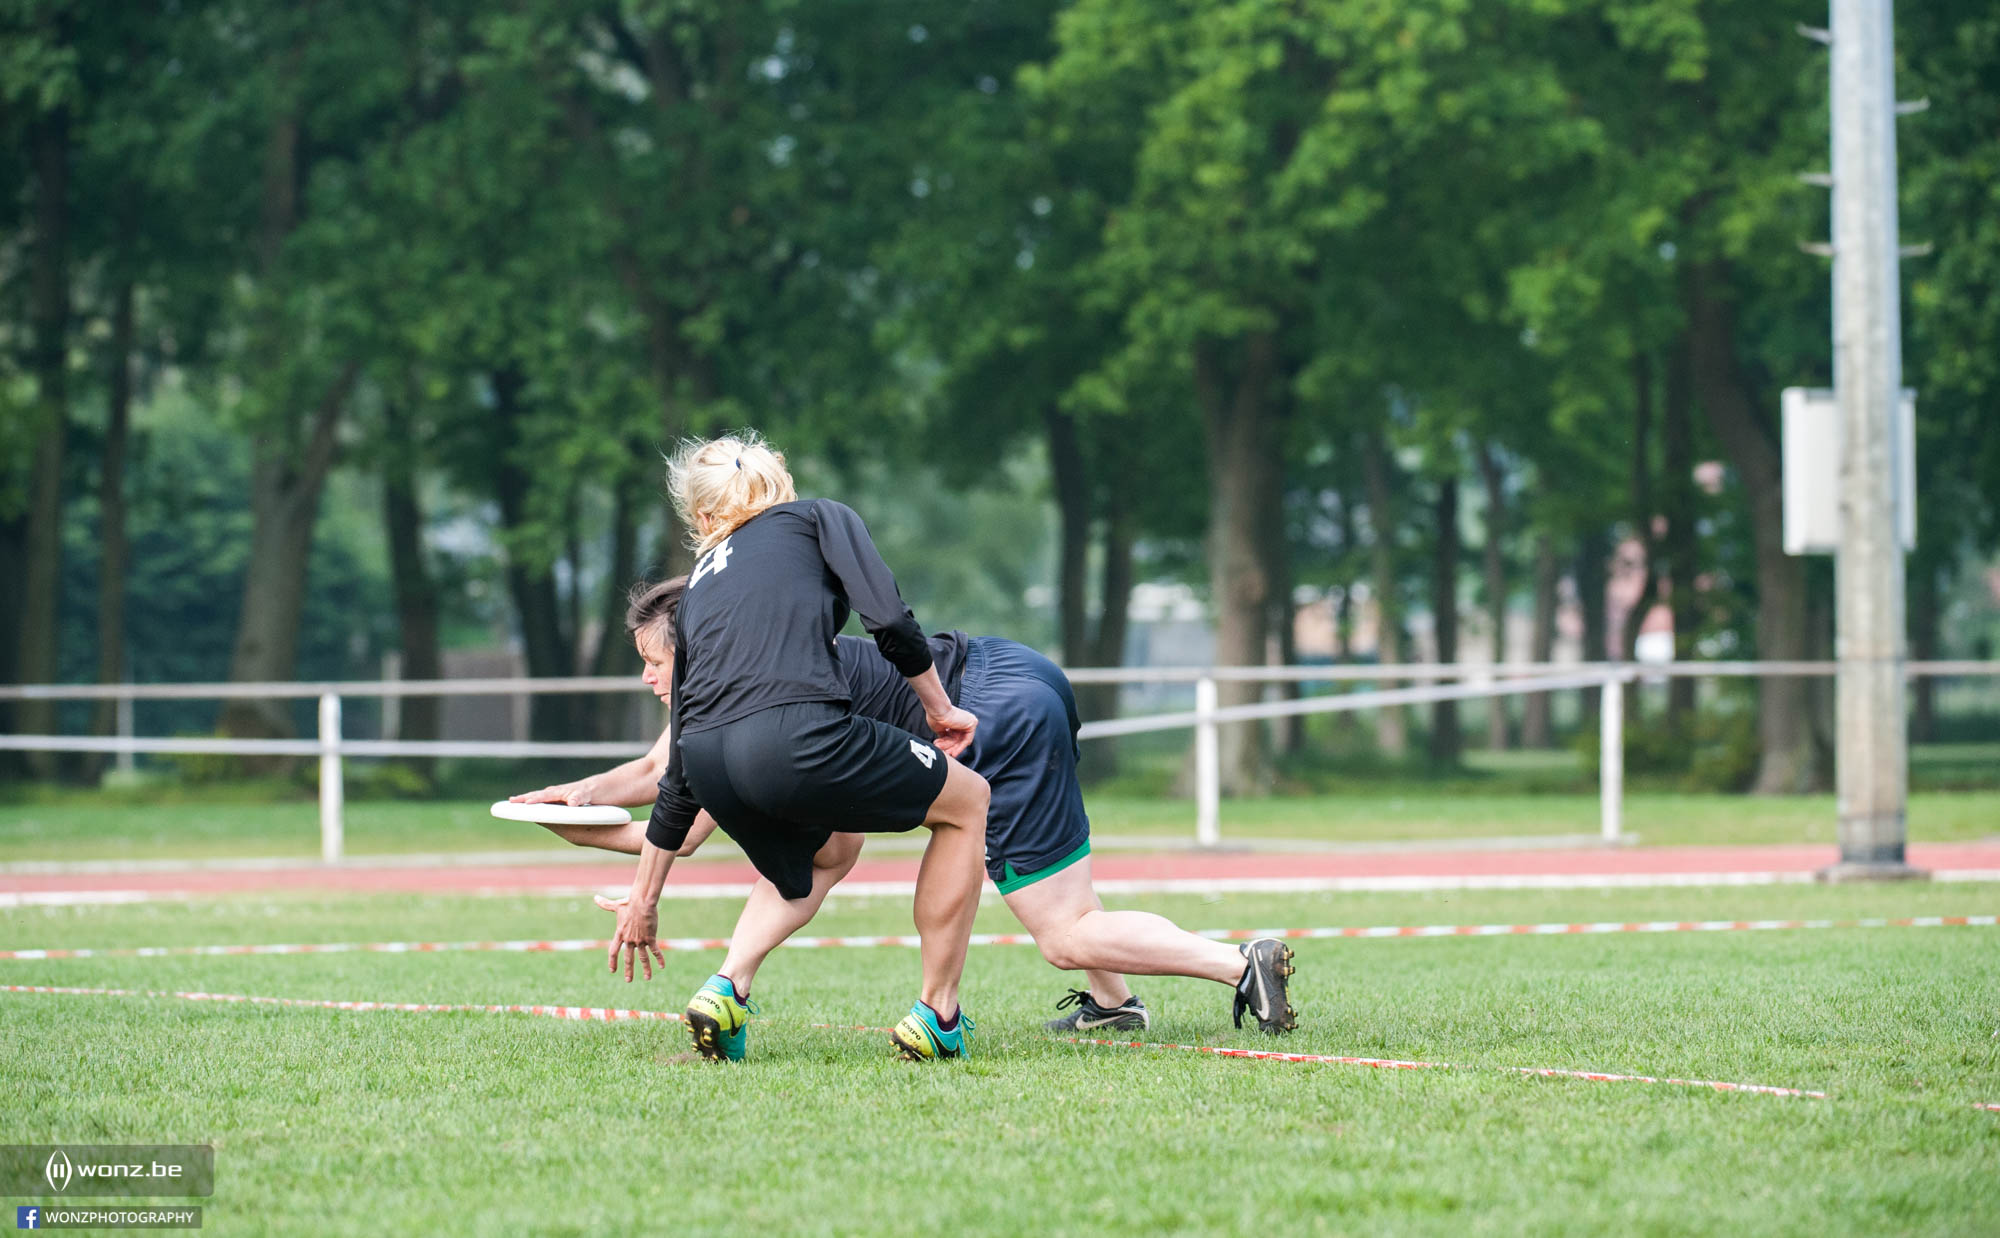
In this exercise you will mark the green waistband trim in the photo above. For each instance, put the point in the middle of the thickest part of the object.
(1011, 879)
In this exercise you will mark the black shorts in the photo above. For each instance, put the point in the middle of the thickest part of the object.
(780, 781)
(1026, 751)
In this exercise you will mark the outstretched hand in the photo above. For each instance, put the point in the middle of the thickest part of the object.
(954, 729)
(578, 794)
(637, 935)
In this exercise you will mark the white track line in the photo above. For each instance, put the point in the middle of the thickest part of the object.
(1593, 1076)
(599, 1014)
(87, 898)
(692, 944)
(1285, 885)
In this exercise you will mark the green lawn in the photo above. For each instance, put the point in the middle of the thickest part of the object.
(1495, 794)
(331, 1122)
(1658, 818)
(106, 825)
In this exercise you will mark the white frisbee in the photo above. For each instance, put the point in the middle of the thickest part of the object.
(562, 814)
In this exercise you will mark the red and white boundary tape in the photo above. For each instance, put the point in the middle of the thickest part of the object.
(600, 1014)
(673, 944)
(586, 1014)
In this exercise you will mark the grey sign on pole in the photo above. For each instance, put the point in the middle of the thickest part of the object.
(1814, 440)
(1872, 747)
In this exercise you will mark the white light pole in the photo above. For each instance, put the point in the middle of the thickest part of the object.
(1872, 753)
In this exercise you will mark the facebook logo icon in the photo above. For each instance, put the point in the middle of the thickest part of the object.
(27, 1218)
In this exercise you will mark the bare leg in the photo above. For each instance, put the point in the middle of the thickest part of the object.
(948, 884)
(1076, 933)
(769, 917)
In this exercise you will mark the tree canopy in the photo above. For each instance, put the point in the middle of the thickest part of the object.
(338, 330)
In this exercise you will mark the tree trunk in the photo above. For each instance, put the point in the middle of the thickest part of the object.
(1925, 608)
(1642, 514)
(1287, 733)
(1343, 603)
(1072, 490)
(1392, 732)
(1593, 549)
(1114, 588)
(1281, 639)
(1447, 746)
(671, 365)
(13, 558)
(1069, 477)
(112, 534)
(49, 306)
(1243, 475)
(573, 596)
(1787, 763)
(285, 486)
(291, 454)
(613, 654)
(1678, 505)
(1495, 563)
(1536, 729)
(410, 577)
(537, 605)
(1100, 756)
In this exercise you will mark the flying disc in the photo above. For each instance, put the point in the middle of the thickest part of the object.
(562, 814)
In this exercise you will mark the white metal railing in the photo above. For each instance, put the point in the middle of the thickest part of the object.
(1206, 718)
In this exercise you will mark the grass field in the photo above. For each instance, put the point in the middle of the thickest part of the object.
(336, 1122)
(124, 825)
(1495, 794)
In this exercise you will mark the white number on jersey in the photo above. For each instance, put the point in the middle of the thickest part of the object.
(923, 752)
(711, 563)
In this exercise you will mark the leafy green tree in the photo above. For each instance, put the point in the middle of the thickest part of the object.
(1674, 273)
(1276, 232)
(1950, 54)
(39, 72)
(309, 92)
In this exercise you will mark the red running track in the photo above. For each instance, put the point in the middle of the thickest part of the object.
(1186, 869)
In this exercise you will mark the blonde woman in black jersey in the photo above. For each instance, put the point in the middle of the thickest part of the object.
(765, 738)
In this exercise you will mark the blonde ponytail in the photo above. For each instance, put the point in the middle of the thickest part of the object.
(729, 480)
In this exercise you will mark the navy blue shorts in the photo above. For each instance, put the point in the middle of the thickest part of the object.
(1025, 748)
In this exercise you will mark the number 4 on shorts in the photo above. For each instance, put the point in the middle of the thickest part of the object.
(923, 752)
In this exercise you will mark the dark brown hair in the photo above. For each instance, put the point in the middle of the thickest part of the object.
(652, 609)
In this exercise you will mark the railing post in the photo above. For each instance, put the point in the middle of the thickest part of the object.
(124, 760)
(1611, 756)
(1207, 766)
(330, 790)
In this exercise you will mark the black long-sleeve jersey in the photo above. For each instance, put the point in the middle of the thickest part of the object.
(757, 624)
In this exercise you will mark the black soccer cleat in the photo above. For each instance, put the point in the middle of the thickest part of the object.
(1090, 1017)
(1267, 962)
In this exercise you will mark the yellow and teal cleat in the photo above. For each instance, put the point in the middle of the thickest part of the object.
(921, 1037)
(718, 1021)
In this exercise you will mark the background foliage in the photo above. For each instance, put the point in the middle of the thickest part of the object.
(334, 331)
